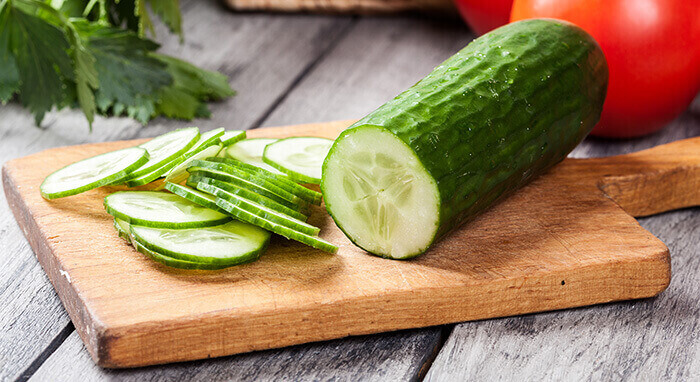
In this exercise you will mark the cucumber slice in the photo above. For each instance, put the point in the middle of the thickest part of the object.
(279, 229)
(301, 158)
(207, 142)
(177, 263)
(284, 182)
(150, 177)
(93, 172)
(232, 136)
(230, 188)
(251, 151)
(260, 210)
(379, 193)
(251, 178)
(195, 196)
(160, 210)
(123, 229)
(166, 148)
(242, 183)
(228, 244)
(179, 172)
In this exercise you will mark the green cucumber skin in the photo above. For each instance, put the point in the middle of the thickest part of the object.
(307, 194)
(500, 112)
(252, 178)
(183, 264)
(238, 182)
(228, 187)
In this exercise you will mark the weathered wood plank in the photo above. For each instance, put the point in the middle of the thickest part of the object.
(256, 55)
(654, 339)
(386, 357)
(380, 58)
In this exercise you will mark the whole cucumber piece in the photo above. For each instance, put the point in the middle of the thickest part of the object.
(481, 125)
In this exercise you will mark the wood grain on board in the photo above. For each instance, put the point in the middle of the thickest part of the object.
(558, 243)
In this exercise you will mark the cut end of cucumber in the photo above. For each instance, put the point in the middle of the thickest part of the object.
(379, 193)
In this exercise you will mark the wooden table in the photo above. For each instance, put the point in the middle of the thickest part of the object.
(298, 68)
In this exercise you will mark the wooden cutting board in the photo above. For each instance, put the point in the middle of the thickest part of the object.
(566, 240)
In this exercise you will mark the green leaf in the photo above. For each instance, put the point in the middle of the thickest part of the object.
(184, 99)
(40, 51)
(169, 12)
(126, 72)
(9, 76)
(85, 80)
(203, 84)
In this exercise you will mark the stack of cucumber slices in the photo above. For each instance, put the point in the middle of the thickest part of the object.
(238, 191)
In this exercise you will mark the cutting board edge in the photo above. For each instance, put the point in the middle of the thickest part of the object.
(116, 346)
(83, 319)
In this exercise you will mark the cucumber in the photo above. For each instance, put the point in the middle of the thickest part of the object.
(232, 136)
(160, 210)
(251, 151)
(123, 229)
(179, 172)
(150, 177)
(242, 183)
(233, 189)
(284, 182)
(260, 210)
(484, 123)
(301, 158)
(93, 172)
(228, 244)
(248, 177)
(195, 196)
(279, 229)
(166, 148)
(205, 142)
(177, 263)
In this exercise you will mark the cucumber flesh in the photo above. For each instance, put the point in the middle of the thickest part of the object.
(233, 189)
(160, 210)
(176, 263)
(179, 172)
(205, 142)
(289, 233)
(284, 182)
(93, 172)
(195, 196)
(232, 136)
(379, 194)
(260, 210)
(248, 177)
(301, 158)
(166, 148)
(232, 243)
(251, 151)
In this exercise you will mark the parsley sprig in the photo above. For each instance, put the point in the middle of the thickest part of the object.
(93, 54)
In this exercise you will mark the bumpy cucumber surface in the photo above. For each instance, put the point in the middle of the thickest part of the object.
(484, 123)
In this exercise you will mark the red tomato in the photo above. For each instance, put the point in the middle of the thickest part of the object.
(484, 15)
(653, 53)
